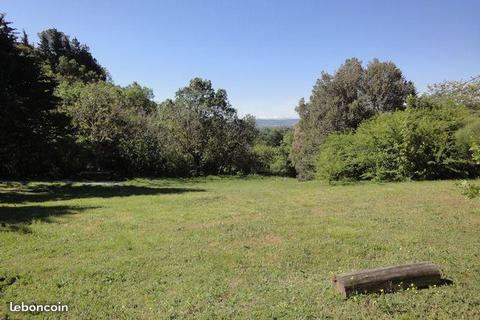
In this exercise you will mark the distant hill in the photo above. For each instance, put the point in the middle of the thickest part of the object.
(271, 123)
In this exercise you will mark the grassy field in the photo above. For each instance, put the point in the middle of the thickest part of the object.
(252, 248)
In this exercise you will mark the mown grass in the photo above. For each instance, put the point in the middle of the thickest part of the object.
(252, 248)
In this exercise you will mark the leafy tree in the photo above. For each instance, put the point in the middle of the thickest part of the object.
(114, 127)
(30, 127)
(239, 140)
(385, 87)
(465, 93)
(204, 132)
(340, 102)
(140, 98)
(271, 136)
(272, 149)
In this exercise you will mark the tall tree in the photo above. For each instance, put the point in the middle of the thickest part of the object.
(140, 98)
(204, 131)
(30, 127)
(385, 87)
(340, 102)
(69, 59)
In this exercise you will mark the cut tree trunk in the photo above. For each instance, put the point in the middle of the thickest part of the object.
(389, 279)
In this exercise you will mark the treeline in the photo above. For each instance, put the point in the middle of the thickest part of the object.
(369, 124)
(61, 115)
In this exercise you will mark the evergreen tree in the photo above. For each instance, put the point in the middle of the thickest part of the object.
(30, 127)
(69, 59)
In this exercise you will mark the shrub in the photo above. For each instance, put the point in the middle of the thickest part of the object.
(421, 142)
(467, 136)
(471, 190)
(264, 157)
(271, 160)
(271, 152)
(341, 158)
(475, 149)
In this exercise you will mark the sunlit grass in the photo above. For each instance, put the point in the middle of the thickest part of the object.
(234, 248)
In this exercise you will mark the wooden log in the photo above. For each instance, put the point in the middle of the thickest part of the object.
(388, 279)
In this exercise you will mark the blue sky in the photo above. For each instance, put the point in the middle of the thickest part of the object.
(266, 54)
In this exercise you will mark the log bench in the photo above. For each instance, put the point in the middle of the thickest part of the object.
(388, 279)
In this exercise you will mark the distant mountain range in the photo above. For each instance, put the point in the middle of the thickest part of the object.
(271, 123)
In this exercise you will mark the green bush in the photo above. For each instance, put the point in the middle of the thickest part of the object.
(271, 152)
(471, 190)
(264, 157)
(468, 136)
(422, 142)
(270, 160)
(341, 158)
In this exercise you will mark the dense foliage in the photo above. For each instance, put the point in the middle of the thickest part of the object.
(30, 127)
(342, 101)
(62, 116)
(425, 141)
(67, 59)
(272, 152)
(114, 128)
(472, 190)
(121, 129)
(203, 133)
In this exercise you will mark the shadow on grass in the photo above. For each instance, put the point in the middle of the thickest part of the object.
(398, 287)
(18, 219)
(43, 193)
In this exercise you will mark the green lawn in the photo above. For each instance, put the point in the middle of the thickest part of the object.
(253, 248)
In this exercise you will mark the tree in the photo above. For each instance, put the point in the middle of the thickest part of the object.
(466, 93)
(24, 40)
(67, 59)
(385, 87)
(272, 149)
(205, 135)
(340, 102)
(30, 127)
(272, 136)
(140, 98)
(114, 127)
